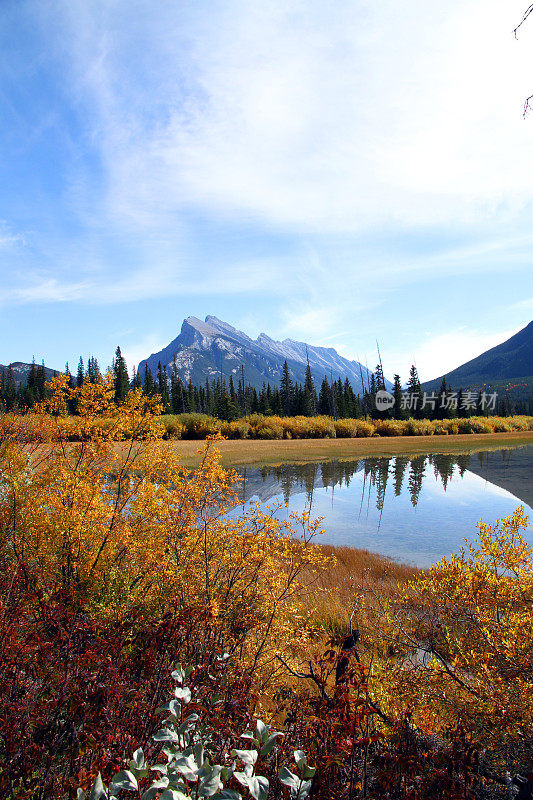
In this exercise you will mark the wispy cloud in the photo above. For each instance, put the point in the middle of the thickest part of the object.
(436, 355)
(8, 239)
(289, 112)
(523, 305)
(310, 167)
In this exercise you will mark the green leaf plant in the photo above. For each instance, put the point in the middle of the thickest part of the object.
(188, 773)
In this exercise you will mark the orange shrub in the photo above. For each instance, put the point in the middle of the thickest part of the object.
(352, 428)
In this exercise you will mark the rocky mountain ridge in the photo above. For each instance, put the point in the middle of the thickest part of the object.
(204, 349)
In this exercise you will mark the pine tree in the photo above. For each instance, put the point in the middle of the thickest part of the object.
(441, 408)
(415, 390)
(10, 390)
(162, 386)
(70, 379)
(310, 398)
(81, 373)
(325, 402)
(399, 413)
(149, 387)
(379, 378)
(122, 381)
(286, 391)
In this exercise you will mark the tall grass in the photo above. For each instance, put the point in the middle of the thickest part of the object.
(256, 426)
(355, 578)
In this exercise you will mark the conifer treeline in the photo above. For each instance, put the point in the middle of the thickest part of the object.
(227, 401)
(25, 396)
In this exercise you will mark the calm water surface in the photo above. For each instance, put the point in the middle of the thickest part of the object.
(415, 509)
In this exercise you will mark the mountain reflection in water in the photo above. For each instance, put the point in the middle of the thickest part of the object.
(416, 508)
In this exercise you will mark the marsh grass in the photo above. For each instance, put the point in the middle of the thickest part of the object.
(355, 579)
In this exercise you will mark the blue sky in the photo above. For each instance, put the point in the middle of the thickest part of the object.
(325, 171)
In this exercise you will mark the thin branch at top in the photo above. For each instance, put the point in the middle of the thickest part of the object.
(527, 13)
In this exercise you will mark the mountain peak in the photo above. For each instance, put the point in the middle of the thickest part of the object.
(205, 349)
(202, 327)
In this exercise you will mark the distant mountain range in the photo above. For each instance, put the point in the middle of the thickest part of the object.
(21, 370)
(204, 349)
(508, 366)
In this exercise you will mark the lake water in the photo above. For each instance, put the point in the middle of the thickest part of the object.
(414, 509)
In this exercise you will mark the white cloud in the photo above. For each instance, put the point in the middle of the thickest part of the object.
(48, 290)
(311, 116)
(523, 305)
(139, 349)
(8, 239)
(308, 323)
(439, 354)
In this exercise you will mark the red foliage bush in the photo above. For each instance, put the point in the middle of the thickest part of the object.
(79, 694)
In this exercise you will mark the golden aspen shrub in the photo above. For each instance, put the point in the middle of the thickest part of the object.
(114, 518)
(462, 637)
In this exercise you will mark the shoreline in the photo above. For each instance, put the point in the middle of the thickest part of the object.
(259, 452)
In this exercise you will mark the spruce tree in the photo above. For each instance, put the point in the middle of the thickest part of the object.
(70, 378)
(148, 381)
(209, 400)
(41, 382)
(310, 398)
(122, 381)
(415, 390)
(379, 378)
(399, 413)
(81, 373)
(286, 391)
(325, 401)
(93, 370)
(162, 385)
(10, 390)
(441, 408)
(191, 404)
(175, 393)
(232, 394)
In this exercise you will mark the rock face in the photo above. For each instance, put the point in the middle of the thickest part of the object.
(510, 361)
(202, 349)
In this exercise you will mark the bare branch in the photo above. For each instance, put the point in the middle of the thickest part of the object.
(308, 676)
(527, 13)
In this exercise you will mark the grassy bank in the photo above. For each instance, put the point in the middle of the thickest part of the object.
(240, 452)
(354, 574)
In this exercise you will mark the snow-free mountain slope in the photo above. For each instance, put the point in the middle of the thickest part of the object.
(509, 361)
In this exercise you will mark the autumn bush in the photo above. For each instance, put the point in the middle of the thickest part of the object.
(459, 639)
(389, 427)
(198, 426)
(259, 426)
(103, 547)
(237, 429)
(352, 428)
(119, 561)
